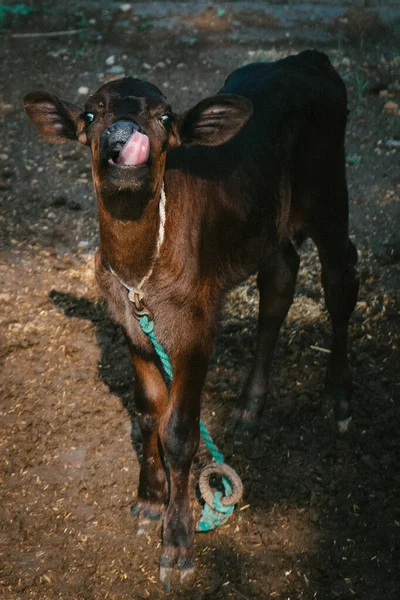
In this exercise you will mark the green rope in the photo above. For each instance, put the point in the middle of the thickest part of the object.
(215, 453)
(148, 328)
(210, 517)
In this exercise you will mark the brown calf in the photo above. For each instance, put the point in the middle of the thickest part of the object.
(243, 172)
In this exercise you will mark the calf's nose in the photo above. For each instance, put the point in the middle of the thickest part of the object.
(119, 132)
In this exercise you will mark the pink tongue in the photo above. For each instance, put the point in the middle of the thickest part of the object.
(136, 150)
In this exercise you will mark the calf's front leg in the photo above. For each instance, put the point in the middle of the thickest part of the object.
(151, 400)
(180, 434)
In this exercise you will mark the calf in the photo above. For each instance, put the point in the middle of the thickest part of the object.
(190, 205)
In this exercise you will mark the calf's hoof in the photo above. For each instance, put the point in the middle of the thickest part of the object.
(243, 424)
(147, 513)
(169, 564)
(341, 398)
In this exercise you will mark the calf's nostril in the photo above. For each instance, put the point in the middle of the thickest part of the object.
(120, 131)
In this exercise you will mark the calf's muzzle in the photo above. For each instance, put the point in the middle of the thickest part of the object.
(124, 143)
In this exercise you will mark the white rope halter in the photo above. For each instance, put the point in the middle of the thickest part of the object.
(135, 294)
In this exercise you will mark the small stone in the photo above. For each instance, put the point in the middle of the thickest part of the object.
(383, 93)
(57, 53)
(110, 60)
(393, 143)
(146, 66)
(6, 108)
(51, 215)
(7, 172)
(117, 69)
(4, 157)
(346, 62)
(83, 244)
(160, 65)
(83, 90)
(125, 7)
(180, 65)
(391, 107)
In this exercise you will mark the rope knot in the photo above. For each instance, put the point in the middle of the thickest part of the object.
(146, 325)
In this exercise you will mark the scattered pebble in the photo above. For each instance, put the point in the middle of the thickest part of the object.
(391, 107)
(57, 53)
(160, 65)
(346, 62)
(117, 69)
(110, 60)
(5, 107)
(125, 7)
(393, 143)
(4, 156)
(83, 90)
(146, 66)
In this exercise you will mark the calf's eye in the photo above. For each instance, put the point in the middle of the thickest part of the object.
(88, 117)
(164, 120)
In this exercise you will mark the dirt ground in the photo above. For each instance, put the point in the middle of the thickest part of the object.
(321, 514)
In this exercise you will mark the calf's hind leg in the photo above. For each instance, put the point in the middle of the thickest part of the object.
(339, 279)
(276, 283)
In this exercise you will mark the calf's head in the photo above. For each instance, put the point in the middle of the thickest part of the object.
(129, 126)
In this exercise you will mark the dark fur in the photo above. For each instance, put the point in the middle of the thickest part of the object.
(242, 177)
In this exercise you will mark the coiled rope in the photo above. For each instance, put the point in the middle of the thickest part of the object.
(218, 506)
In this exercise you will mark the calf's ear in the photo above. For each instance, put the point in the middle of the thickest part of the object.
(55, 119)
(215, 120)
